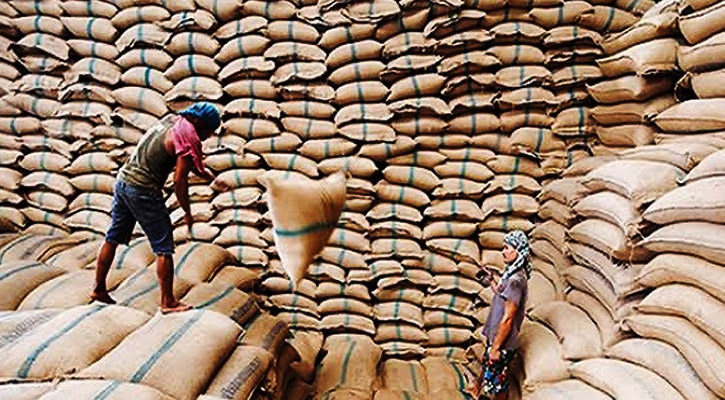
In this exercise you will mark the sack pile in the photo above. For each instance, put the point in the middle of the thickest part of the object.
(639, 80)
(608, 268)
(52, 296)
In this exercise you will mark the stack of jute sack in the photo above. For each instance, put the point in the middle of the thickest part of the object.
(192, 77)
(52, 294)
(639, 79)
(42, 55)
(698, 111)
(680, 313)
(575, 29)
(11, 118)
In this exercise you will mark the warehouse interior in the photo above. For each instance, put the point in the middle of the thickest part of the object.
(596, 127)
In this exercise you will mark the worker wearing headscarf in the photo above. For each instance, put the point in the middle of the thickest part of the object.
(506, 315)
(172, 145)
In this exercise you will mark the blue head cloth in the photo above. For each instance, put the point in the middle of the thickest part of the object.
(205, 112)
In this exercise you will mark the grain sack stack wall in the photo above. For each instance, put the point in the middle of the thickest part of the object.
(401, 277)
(87, 102)
(575, 29)
(191, 77)
(11, 147)
(43, 55)
(697, 113)
(244, 75)
(607, 258)
(639, 76)
(685, 276)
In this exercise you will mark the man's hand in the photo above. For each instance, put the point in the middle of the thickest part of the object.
(494, 355)
(189, 220)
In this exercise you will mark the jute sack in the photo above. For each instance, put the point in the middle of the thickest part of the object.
(639, 181)
(611, 207)
(574, 121)
(448, 336)
(475, 61)
(406, 376)
(456, 209)
(78, 257)
(37, 106)
(711, 166)
(140, 290)
(113, 390)
(145, 355)
(472, 170)
(293, 162)
(152, 58)
(692, 116)
(604, 236)
(259, 88)
(34, 247)
(69, 342)
(573, 388)
(100, 29)
(414, 126)
(143, 34)
(421, 178)
(353, 52)
(600, 314)
(42, 43)
(523, 75)
(702, 24)
(416, 86)
(688, 302)
(308, 128)
(320, 149)
(518, 183)
(634, 113)
(604, 18)
(338, 372)
(402, 248)
(646, 29)
(242, 46)
(670, 268)
(20, 125)
(517, 54)
(542, 356)
(510, 203)
(681, 154)
(190, 65)
(518, 32)
(620, 379)
(697, 347)
(69, 290)
(526, 97)
(701, 84)
(568, 35)
(666, 361)
(437, 318)
(241, 374)
(45, 160)
(574, 75)
(569, 323)
(344, 323)
(178, 6)
(224, 299)
(130, 16)
(443, 374)
(702, 56)
(520, 164)
(701, 239)
(301, 233)
(629, 88)
(19, 278)
(651, 57)
(359, 71)
(361, 91)
(191, 89)
(358, 167)
(90, 48)
(565, 14)
(193, 42)
(512, 120)
(626, 135)
(695, 201)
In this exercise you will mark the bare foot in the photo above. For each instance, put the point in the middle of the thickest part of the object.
(175, 307)
(102, 297)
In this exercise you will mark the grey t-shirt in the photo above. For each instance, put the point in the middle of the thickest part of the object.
(514, 289)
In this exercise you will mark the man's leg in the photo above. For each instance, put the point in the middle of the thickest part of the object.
(103, 265)
(165, 273)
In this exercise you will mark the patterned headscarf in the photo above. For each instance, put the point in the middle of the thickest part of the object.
(205, 112)
(519, 241)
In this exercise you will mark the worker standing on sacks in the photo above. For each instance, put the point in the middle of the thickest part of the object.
(505, 317)
(174, 144)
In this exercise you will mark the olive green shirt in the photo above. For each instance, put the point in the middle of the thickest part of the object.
(150, 164)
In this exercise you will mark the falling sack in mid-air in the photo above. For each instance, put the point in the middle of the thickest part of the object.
(304, 214)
